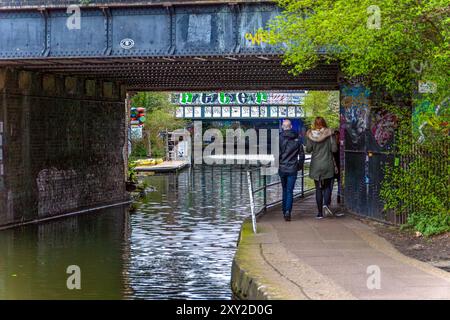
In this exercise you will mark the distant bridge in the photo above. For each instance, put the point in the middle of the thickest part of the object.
(239, 105)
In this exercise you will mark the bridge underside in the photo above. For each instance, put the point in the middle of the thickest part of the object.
(62, 114)
(188, 73)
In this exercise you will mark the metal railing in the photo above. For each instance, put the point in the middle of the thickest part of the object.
(268, 202)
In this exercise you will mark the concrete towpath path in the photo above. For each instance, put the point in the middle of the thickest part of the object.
(332, 258)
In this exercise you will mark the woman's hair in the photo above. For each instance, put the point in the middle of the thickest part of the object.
(320, 123)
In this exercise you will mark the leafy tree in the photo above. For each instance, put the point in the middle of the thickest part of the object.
(392, 45)
(323, 104)
(151, 101)
(160, 116)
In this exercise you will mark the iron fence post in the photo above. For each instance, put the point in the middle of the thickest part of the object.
(303, 182)
(252, 206)
(265, 192)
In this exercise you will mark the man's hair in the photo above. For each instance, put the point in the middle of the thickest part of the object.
(287, 125)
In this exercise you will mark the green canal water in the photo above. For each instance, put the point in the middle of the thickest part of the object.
(179, 244)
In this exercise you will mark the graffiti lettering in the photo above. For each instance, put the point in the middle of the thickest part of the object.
(419, 66)
(427, 86)
(241, 98)
(256, 38)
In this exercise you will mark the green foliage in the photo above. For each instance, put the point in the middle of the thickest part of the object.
(160, 116)
(138, 149)
(418, 185)
(412, 40)
(151, 101)
(161, 120)
(324, 104)
(132, 174)
(392, 46)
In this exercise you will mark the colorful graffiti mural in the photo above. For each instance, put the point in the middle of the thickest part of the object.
(427, 116)
(238, 98)
(382, 126)
(355, 102)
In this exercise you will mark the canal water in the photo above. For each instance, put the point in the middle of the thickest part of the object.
(179, 244)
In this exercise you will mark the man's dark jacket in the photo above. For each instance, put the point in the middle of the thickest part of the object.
(292, 155)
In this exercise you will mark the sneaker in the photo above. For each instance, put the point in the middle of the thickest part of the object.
(287, 218)
(339, 214)
(319, 216)
(327, 211)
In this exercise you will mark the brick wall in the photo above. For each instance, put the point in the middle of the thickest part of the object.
(62, 141)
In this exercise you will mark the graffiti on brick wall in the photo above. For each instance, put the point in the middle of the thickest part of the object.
(355, 102)
(383, 124)
(58, 191)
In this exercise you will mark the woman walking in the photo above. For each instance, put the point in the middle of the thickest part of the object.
(321, 144)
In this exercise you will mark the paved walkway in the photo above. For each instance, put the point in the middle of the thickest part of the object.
(333, 258)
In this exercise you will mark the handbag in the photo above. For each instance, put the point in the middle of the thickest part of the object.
(336, 169)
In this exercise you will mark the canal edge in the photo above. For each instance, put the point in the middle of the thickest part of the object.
(245, 283)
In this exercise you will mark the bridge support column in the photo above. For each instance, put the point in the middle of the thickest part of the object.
(62, 142)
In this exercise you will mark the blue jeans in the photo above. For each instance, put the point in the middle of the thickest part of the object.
(288, 184)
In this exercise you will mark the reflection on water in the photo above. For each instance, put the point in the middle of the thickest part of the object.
(34, 259)
(179, 244)
(184, 237)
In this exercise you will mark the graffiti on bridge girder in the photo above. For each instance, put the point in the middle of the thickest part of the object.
(258, 38)
(238, 98)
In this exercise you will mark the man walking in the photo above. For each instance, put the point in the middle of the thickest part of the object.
(292, 158)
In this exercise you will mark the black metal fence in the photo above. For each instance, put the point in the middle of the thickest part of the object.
(265, 190)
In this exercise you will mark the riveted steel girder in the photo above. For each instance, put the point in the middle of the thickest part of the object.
(153, 45)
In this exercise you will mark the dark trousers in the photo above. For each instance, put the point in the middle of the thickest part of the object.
(323, 193)
(288, 184)
(338, 196)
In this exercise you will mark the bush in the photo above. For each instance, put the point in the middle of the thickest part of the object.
(418, 184)
(138, 149)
